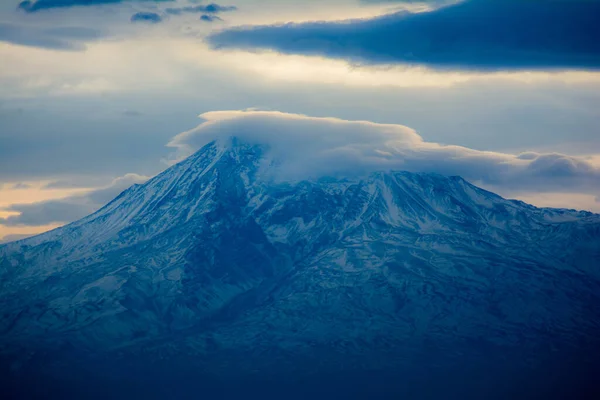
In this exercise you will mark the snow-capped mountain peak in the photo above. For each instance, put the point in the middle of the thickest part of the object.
(217, 252)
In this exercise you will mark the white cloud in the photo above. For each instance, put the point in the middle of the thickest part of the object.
(311, 147)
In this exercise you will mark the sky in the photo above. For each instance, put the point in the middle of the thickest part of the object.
(97, 95)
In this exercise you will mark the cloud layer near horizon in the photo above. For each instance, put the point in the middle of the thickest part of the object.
(474, 34)
(306, 147)
(70, 208)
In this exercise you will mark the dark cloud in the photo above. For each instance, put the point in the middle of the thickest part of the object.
(145, 16)
(39, 5)
(205, 9)
(59, 38)
(209, 18)
(475, 34)
(20, 186)
(70, 208)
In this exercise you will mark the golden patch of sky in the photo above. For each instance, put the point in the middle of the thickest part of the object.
(27, 193)
(311, 69)
(577, 201)
(8, 234)
(270, 12)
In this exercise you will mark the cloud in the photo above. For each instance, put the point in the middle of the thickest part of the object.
(47, 212)
(63, 184)
(85, 181)
(21, 186)
(70, 208)
(58, 38)
(313, 147)
(475, 34)
(145, 16)
(31, 6)
(204, 9)
(209, 18)
(104, 195)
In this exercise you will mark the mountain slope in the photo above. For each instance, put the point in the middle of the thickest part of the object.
(214, 264)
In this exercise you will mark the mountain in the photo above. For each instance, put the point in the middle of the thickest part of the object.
(214, 276)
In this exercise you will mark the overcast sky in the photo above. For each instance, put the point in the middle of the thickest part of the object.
(95, 94)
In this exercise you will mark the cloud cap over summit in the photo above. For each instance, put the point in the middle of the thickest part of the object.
(309, 147)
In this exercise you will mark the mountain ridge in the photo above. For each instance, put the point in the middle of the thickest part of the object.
(214, 260)
(220, 147)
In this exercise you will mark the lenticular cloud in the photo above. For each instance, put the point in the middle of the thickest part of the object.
(308, 147)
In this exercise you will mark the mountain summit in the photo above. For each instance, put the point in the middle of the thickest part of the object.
(213, 271)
